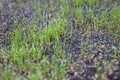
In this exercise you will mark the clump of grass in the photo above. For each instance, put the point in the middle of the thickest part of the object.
(27, 50)
(54, 30)
(77, 3)
(78, 14)
(91, 2)
(83, 47)
(114, 22)
(64, 9)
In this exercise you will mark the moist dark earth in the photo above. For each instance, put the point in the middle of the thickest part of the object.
(98, 57)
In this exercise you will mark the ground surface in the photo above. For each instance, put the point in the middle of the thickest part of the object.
(89, 45)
